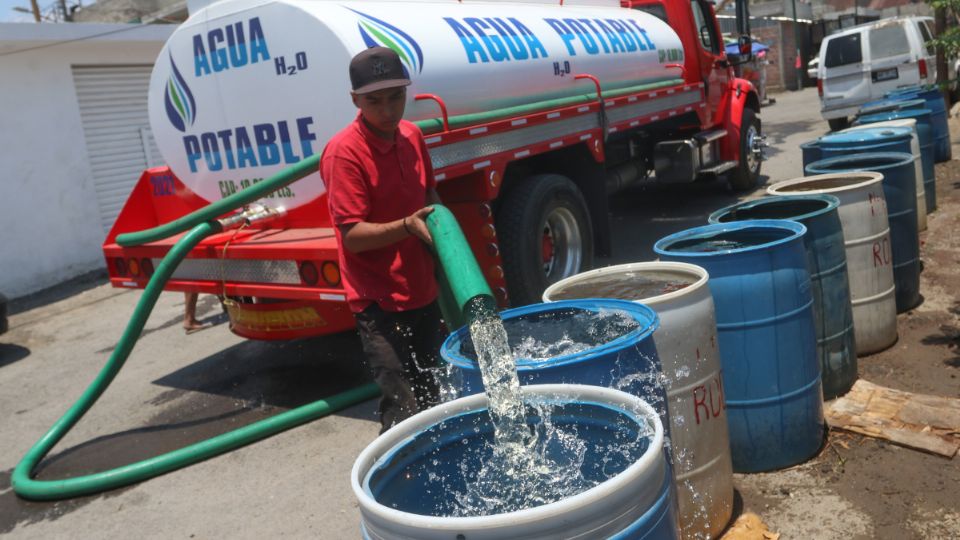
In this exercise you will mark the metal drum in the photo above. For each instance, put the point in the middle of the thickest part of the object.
(827, 260)
(406, 480)
(899, 187)
(687, 346)
(925, 135)
(866, 237)
(771, 376)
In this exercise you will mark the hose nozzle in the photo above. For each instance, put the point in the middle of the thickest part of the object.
(252, 214)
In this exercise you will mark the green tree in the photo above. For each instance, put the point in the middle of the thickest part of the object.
(947, 40)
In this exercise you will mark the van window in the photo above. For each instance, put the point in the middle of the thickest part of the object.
(843, 50)
(889, 40)
(925, 32)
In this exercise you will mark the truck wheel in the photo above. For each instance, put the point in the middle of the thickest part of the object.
(836, 124)
(748, 170)
(545, 235)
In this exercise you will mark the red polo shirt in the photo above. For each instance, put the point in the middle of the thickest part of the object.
(371, 179)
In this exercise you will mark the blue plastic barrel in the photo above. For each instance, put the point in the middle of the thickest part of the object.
(410, 481)
(927, 146)
(616, 352)
(827, 261)
(938, 109)
(886, 139)
(900, 191)
(764, 307)
(811, 152)
(891, 104)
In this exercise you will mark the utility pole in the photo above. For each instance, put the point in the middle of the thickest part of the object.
(796, 39)
(940, 26)
(36, 10)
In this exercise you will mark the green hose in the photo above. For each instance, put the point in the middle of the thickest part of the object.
(28, 488)
(464, 293)
(227, 204)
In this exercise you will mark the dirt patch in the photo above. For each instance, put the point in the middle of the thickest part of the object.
(858, 487)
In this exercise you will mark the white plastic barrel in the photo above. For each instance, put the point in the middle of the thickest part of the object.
(637, 502)
(245, 88)
(687, 345)
(866, 235)
(918, 162)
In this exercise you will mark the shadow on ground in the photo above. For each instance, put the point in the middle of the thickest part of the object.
(11, 352)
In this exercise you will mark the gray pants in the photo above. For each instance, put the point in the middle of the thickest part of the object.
(402, 350)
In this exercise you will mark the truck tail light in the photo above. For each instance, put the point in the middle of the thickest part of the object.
(923, 68)
(331, 273)
(147, 266)
(820, 86)
(309, 274)
(134, 266)
(120, 266)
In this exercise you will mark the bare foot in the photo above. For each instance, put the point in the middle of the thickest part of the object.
(195, 326)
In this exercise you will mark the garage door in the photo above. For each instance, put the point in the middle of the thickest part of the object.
(113, 108)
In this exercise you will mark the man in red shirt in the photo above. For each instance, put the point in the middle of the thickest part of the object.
(379, 182)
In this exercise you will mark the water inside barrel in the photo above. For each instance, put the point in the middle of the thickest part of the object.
(626, 285)
(730, 240)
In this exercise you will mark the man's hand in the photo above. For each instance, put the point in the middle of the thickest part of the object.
(416, 224)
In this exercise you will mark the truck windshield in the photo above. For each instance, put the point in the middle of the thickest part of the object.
(843, 50)
(889, 40)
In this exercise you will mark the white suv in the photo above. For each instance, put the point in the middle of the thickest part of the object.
(863, 63)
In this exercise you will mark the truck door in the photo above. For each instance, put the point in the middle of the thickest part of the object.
(715, 71)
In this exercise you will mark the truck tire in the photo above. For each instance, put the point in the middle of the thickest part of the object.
(545, 235)
(747, 172)
(836, 124)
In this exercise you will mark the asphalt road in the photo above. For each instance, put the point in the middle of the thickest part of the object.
(177, 389)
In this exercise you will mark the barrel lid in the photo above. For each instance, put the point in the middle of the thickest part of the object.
(893, 115)
(892, 104)
(866, 137)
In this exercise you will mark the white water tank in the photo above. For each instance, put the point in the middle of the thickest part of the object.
(687, 345)
(244, 88)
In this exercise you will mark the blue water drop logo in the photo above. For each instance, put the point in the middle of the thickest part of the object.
(178, 100)
(378, 33)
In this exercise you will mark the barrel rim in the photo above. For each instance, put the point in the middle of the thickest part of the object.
(832, 204)
(856, 138)
(873, 178)
(797, 230)
(699, 272)
(634, 308)
(895, 159)
(894, 115)
(396, 437)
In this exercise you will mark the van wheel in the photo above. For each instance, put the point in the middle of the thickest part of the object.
(545, 235)
(836, 124)
(748, 170)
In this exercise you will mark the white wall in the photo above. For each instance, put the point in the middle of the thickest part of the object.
(49, 219)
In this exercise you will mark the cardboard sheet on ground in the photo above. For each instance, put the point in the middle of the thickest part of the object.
(923, 422)
(749, 526)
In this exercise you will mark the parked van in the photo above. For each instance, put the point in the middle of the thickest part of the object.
(863, 63)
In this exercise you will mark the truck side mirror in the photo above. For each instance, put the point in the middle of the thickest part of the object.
(744, 50)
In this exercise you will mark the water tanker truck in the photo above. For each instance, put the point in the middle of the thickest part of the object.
(533, 114)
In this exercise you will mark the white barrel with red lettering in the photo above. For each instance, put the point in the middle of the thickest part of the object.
(244, 88)
(866, 237)
(687, 346)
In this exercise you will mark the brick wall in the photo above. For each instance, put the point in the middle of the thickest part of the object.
(770, 36)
